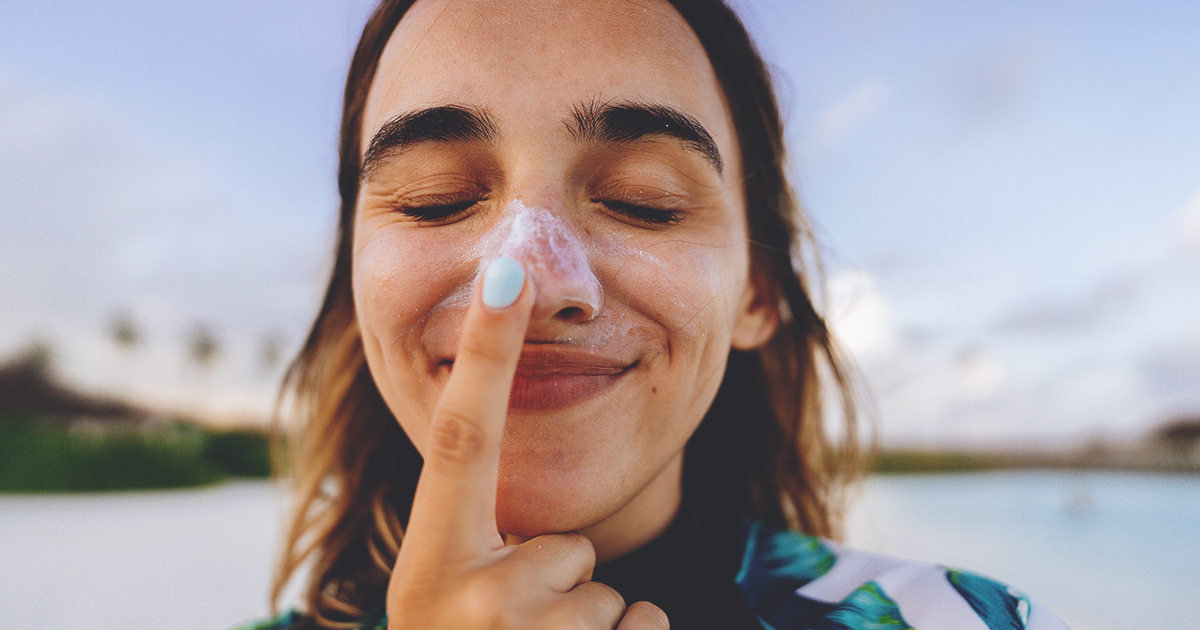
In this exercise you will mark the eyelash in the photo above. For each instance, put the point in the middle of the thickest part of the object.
(653, 216)
(643, 214)
(438, 212)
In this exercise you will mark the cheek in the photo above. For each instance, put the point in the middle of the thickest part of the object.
(391, 293)
(396, 299)
(689, 288)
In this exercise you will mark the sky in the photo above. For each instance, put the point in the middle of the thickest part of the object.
(1007, 197)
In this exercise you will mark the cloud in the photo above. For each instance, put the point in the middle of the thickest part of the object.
(1106, 394)
(980, 377)
(94, 220)
(1189, 222)
(1174, 371)
(993, 81)
(93, 217)
(975, 397)
(1057, 315)
(859, 314)
(841, 118)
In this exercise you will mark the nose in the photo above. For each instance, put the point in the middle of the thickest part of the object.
(567, 290)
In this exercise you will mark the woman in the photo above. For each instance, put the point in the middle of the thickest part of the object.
(564, 361)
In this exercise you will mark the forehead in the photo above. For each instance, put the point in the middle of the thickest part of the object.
(527, 61)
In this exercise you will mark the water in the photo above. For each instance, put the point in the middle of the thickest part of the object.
(1105, 551)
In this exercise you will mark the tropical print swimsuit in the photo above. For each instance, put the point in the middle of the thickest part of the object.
(787, 576)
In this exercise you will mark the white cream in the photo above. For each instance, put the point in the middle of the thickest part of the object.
(552, 253)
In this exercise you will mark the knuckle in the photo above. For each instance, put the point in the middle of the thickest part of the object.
(456, 437)
(606, 596)
(579, 544)
(647, 615)
(593, 605)
(613, 598)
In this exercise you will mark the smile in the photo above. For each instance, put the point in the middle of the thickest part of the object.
(556, 377)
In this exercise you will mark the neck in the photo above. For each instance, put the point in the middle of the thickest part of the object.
(645, 517)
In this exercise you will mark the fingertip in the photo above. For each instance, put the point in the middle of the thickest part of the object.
(503, 280)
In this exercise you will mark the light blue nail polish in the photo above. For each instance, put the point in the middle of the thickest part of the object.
(502, 282)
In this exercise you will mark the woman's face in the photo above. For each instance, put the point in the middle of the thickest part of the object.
(590, 142)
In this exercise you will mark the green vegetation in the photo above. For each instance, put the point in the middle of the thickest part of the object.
(240, 453)
(899, 462)
(56, 439)
(47, 456)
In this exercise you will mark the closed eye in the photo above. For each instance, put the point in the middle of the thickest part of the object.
(437, 211)
(644, 214)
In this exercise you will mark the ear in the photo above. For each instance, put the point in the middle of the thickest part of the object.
(758, 312)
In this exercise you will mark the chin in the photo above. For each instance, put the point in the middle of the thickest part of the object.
(545, 502)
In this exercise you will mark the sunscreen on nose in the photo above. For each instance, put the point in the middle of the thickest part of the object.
(549, 251)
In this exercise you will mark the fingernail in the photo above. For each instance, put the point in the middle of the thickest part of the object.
(502, 282)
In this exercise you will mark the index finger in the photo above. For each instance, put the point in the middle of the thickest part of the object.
(454, 508)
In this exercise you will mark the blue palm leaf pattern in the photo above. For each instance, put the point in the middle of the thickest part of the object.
(775, 563)
(1000, 607)
(772, 555)
(867, 608)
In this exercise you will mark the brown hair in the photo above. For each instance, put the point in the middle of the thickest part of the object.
(763, 448)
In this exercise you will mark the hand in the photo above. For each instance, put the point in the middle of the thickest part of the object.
(454, 571)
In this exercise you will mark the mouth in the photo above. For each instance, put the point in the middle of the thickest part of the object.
(556, 377)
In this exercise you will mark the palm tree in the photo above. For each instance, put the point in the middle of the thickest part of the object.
(203, 348)
(126, 335)
(125, 331)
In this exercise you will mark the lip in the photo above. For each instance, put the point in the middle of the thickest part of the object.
(558, 377)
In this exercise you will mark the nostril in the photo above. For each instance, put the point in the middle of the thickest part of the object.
(571, 314)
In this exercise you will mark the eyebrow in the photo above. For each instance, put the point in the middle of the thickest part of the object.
(632, 121)
(591, 122)
(444, 123)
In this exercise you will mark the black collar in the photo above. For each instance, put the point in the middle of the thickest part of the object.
(688, 571)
